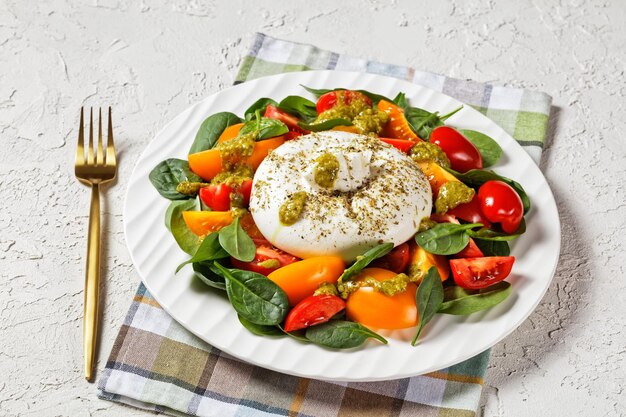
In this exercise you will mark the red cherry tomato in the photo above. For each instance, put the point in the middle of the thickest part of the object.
(402, 145)
(272, 112)
(470, 251)
(216, 196)
(462, 153)
(397, 260)
(478, 273)
(470, 212)
(501, 203)
(313, 310)
(265, 253)
(329, 100)
(246, 189)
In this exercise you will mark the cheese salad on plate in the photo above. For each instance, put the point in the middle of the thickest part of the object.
(328, 221)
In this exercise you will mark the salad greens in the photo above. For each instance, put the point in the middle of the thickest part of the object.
(166, 176)
(211, 129)
(366, 259)
(340, 334)
(489, 149)
(175, 223)
(428, 298)
(445, 238)
(459, 301)
(236, 242)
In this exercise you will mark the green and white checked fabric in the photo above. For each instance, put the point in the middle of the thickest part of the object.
(157, 365)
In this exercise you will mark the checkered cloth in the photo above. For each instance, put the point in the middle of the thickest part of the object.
(157, 365)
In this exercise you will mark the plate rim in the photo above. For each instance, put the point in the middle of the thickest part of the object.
(355, 75)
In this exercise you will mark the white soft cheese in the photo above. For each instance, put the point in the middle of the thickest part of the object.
(380, 195)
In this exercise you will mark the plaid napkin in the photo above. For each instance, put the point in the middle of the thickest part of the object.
(157, 365)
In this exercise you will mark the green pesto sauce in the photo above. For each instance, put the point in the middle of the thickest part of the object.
(190, 188)
(415, 273)
(234, 150)
(426, 151)
(270, 264)
(234, 175)
(389, 287)
(452, 194)
(289, 211)
(326, 170)
(326, 288)
(342, 110)
(370, 121)
(426, 224)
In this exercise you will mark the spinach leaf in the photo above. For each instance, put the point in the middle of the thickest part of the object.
(254, 296)
(186, 239)
(496, 233)
(445, 238)
(266, 128)
(299, 106)
(318, 92)
(364, 260)
(424, 122)
(477, 177)
(236, 242)
(260, 105)
(401, 101)
(260, 329)
(493, 247)
(464, 302)
(209, 250)
(166, 176)
(208, 274)
(327, 125)
(488, 148)
(211, 129)
(428, 298)
(340, 334)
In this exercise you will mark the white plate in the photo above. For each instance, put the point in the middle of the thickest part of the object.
(447, 340)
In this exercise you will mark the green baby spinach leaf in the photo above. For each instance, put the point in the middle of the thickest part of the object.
(424, 122)
(461, 302)
(445, 238)
(209, 250)
(166, 176)
(428, 298)
(260, 105)
(340, 334)
(254, 296)
(364, 260)
(493, 247)
(489, 149)
(266, 128)
(260, 329)
(299, 106)
(496, 233)
(211, 129)
(234, 240)
(175, 223)
(208, 274)
(326, 125)
(477, 177)
(401, 101)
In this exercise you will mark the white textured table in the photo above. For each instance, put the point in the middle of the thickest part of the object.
(150, 60)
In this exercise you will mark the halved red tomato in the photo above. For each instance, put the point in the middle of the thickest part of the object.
(260, 262)
(329, 100)
(397, 260)
(470, 251)
(462, 153)
(313, 310)
(402, 145)
(478, 273)
(216, 196)
(273, 112)
(470, 212)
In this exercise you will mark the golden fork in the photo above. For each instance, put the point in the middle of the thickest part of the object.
(93, 171)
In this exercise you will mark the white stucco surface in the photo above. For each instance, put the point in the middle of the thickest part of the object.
(152, 59)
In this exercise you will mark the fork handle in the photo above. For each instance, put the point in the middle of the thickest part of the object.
(92, 284)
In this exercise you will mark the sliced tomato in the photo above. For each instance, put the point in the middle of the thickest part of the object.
(501, 203)
(329, 100)
(246, 189)
(216, 196)
(470, 212)
(470, 251)
(292, 134)
(478, 273)
(313, 310)
(265, 253)
(401, 144)
(273, 112)
(462, 153)
(397, 127)
(397, 260)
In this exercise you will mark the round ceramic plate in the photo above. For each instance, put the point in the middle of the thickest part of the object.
(447, 340)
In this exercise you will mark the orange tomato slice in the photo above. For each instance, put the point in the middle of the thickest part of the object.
(436, 175)
(230, 132)
(375, 309)
(397, 127)
(421, 261)
(202, 223)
